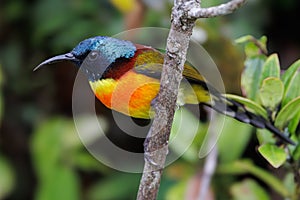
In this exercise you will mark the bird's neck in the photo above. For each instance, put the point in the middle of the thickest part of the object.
(122, 65)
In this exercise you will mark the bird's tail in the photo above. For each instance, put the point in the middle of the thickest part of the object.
(238, 111)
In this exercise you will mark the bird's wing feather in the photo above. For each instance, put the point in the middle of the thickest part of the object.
(149, 62)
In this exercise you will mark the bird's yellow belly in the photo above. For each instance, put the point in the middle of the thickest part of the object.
(131, 94)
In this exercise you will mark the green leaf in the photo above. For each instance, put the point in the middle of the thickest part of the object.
(53, 145)
(271, 92)
(290, 72)
(250, 105)
(62, 184)
(85, 161)
(244, 39)
(241, 136)
(53, 138)
(287, 113)
(251, 76)
(265, 136)
(253, 47)
(246, 166)
(291, 80)
(184, 129)
(293, 124)
(271, 68)
(45, 146)
(7, 180)
(296, 153)
(276, 156)
(117, 186)
(178, 191)
(248, 189)
(289, 183)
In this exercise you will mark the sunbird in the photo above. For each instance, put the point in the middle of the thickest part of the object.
(125, 77)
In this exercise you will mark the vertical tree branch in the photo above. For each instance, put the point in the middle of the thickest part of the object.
(156, 143)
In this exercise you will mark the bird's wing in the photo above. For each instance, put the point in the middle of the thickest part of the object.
(149, 62)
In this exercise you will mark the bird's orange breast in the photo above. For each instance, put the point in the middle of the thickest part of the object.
(131, 94)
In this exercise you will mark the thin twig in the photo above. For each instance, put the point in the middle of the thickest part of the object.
(210, 161)
(223, 9)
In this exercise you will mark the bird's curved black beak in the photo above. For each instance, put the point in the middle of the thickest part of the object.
(59, 58)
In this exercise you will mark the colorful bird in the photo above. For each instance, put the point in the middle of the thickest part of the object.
(126, 77)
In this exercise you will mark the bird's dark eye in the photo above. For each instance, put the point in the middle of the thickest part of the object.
(93, 55)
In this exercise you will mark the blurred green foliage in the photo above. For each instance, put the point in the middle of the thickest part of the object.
(8, 177)
(40, 154)
(272, 91)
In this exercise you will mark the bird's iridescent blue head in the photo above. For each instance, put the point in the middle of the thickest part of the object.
(110, 48)
(94, 55)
